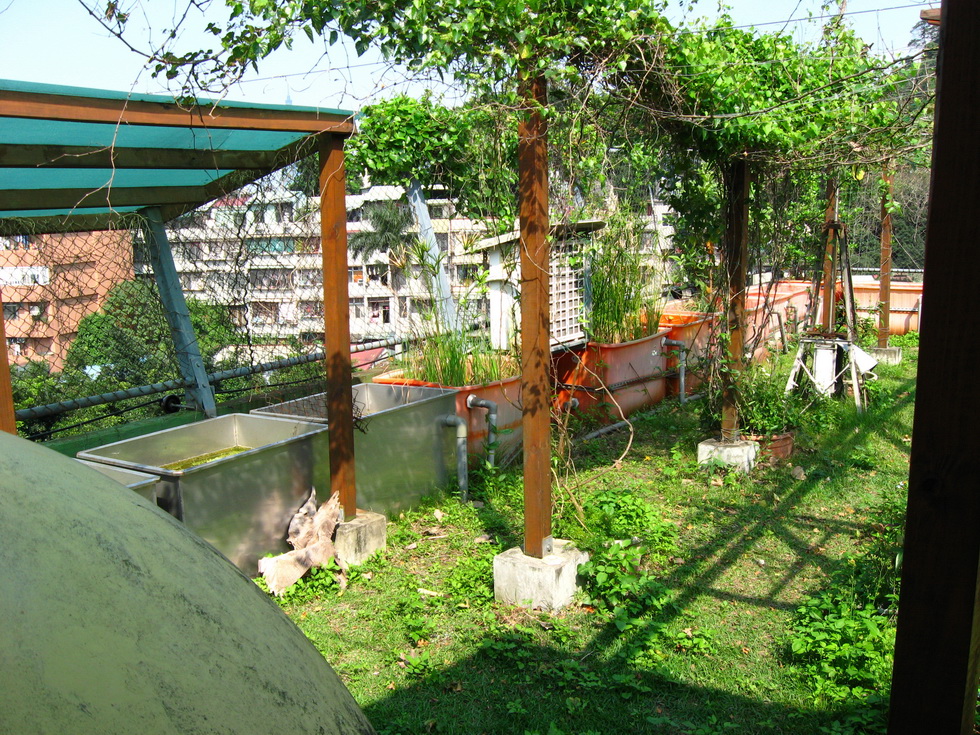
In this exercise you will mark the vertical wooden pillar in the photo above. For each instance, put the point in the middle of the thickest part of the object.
(532, 151)
(336, 321)
(736, 263)
(7, 421)
(830, 258)
(885, 277)
(934, 685)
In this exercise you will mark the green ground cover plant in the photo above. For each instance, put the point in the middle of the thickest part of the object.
(712, 603)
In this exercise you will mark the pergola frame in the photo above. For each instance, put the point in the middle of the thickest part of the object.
(211, 149)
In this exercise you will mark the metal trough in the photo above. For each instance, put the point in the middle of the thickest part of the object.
(141, 482)
(402, 447)
(240, 503)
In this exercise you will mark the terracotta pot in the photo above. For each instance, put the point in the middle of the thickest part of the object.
(774, 446)
(633, 373)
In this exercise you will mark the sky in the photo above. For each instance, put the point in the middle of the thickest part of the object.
(58, 42)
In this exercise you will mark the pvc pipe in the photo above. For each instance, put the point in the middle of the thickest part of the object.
(473, 402)
(462, 471)
(605, 430)
(681, 366)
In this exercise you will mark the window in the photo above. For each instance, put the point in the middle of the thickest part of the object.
(38, 311)
(378, 273)
(442, 240)
(357, 308)
(355, 274)
(311, 309)
(265, 312)
(379, 311)
(11, 310)
(269, 279)
(307, 278)
(237, 315)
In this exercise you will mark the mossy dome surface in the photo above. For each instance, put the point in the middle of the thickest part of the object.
(117, 619)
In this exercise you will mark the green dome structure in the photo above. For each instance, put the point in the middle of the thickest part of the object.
(117, 619)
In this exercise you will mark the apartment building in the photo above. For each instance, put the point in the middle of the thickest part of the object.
(260, 255)
(49, 283)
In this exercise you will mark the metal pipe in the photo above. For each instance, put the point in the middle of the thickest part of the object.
(474, 402)
(605, 430)
(52, 409)
(462, 470)
(681, 365)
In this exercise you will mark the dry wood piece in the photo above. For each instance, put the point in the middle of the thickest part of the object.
(311, 535)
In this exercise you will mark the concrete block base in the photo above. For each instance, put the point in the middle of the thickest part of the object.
(358, 538)
(740, 455)
(887, 355)
(547, 583)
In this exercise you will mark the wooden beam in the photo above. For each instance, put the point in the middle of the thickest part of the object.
(67, 108)
(150, 196)
(885, 274)
(830, 258)
(934, 684)
(75, 223)
(116, 157)
(336, 322)
(930, 16)
(736, 264)
(532, 156)
(7, 421)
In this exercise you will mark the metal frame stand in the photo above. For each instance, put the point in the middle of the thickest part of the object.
(805, 352)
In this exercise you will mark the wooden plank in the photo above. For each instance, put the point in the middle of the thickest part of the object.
(930, 16)
(736, 264)
(830, 258)
(41, 199)
(67, 108)
(934, 686)
(7, 421)
(336, 322)
(116, 157)
(532, 156)
(885, 276)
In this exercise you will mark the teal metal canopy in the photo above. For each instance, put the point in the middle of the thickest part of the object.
(74, 159)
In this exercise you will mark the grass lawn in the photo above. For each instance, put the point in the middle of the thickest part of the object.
(688, 631)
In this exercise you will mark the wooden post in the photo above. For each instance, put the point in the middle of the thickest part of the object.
(885, 278)
(7, 421)
(934, 683)
(336, 321)
(829, 258)
(736, 262)
(532, 152)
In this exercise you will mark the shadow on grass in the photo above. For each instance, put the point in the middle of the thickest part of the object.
(514, 685)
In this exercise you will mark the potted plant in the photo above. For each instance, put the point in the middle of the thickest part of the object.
(623, 362)
(766, 414)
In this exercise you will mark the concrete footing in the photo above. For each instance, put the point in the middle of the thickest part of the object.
(739, 454)
(548, 583)
(358, 538)
(887, 355)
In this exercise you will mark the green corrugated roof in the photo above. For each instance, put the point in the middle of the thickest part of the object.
(75, 159)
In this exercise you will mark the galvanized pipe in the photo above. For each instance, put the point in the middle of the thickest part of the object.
(52, 409)
(462, 470)
(473, 402)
